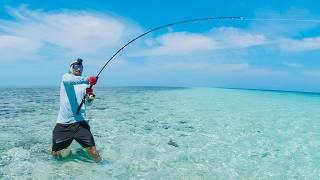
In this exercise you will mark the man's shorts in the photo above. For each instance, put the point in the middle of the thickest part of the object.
(64, 134)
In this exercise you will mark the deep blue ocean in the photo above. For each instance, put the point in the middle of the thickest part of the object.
(166, 133)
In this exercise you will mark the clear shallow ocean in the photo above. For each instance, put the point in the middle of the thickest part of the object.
(167, 133)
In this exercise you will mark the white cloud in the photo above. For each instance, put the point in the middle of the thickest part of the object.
(13, 47)
(183, 43)
(78, 32)
(312, 73)
(283, 28)
(197, 68)
(212, 68)
(292, 64)
(227, 69)
(81, 32)
(305, 44)
(180, 43)
(230, 37)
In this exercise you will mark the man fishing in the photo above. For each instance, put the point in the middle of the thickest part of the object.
(71, 125)
(71, 122)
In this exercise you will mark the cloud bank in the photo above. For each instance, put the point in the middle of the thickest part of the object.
(75, 32)
(256, 51)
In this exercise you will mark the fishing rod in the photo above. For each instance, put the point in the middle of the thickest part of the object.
(195, 20)
(155, 29)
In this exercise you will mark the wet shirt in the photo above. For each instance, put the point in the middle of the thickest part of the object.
(72, 90)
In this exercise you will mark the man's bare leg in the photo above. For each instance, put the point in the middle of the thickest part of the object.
(94, 153)
(62, 153)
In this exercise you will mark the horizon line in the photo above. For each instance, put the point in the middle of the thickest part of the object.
(161, 86)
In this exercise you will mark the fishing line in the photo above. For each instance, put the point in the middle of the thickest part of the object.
(282, 19)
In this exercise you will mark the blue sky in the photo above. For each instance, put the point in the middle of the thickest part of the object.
(38, 40)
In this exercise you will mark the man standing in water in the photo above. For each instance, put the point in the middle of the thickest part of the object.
(71, 125)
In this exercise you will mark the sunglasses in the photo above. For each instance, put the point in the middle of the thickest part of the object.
(77, 67)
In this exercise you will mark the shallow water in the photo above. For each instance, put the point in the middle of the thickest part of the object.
(167, 133)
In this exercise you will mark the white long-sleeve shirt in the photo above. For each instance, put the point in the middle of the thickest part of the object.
(72, 90)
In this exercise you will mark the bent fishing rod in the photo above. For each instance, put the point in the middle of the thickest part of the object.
(194, 20)
(155, 29)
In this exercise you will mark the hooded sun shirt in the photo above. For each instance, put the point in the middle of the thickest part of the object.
(72, 90)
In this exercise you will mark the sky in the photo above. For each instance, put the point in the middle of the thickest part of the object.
(39, 39)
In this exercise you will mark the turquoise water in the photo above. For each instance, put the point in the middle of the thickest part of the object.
(167, 133)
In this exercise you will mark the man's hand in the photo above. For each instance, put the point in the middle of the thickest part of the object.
(91, 97)
(89, 91)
